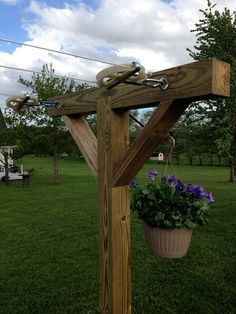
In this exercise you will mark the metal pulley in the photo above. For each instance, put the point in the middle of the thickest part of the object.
(114, 75)
(133, 74)
(18, 101)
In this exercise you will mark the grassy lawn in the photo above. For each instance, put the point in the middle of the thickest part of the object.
(49, 248)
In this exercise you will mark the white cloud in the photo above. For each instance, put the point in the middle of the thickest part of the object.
(151, 31)
(132, 26)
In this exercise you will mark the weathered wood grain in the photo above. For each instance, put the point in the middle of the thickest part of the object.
(155, 131)
(221, 74)
(114, 212)
(85, 140)
(195, 81)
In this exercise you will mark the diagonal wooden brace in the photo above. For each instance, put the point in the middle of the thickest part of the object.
(156, 130)
(85, 140)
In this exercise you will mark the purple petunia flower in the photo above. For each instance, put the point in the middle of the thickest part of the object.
(152, 175)
(210, 196)
(133, 184)
(180, 186)
(190, 188)
(169, 179)
(197, 191)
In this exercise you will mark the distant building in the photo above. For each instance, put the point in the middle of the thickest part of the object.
(160, 156)
(2, 122)
(157, 156)
(8, 148)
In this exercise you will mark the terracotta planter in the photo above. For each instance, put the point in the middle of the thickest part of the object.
(171, 243)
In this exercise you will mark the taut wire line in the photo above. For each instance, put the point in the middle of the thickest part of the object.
(38, 72)
(58, 51)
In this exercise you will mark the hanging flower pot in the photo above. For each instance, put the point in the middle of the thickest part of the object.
(170, 243)
(170, 210)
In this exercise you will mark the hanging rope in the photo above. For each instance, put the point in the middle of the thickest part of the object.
(169, 157)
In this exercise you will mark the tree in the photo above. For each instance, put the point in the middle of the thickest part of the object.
(196, 137)
(216, 37)
(46, 85)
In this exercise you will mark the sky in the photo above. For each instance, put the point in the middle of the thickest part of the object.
(154, 32)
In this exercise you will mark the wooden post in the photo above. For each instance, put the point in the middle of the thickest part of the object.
(117, 164)
(114, 212)
(26, 179)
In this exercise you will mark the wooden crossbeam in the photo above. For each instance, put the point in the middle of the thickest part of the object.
(194, 81)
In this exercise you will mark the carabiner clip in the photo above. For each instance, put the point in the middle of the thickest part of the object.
(161, 83)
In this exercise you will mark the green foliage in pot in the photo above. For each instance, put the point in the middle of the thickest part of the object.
(169, 203)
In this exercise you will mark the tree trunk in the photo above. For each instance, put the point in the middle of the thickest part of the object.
(219, 160)
(233, 163)
(190, 160)
(200, 160)
(177, 158)
(211, 160)
(233, 150)
(233, 170)
(55, 168)
(6, 166)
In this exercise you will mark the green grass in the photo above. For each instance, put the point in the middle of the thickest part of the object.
(49, 248)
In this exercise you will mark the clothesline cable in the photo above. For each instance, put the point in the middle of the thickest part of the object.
(38, 72)
(57, 51)
(5, 94)
(136, 120)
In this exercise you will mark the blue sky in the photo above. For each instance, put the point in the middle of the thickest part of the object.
(10, 22)
(13, 17)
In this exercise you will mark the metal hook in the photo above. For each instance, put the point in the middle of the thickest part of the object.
(50, 103)
(162, 83)
(172, 142)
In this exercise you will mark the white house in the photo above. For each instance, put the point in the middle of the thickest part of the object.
(157, 157)
(13, 175)
(9, 150)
